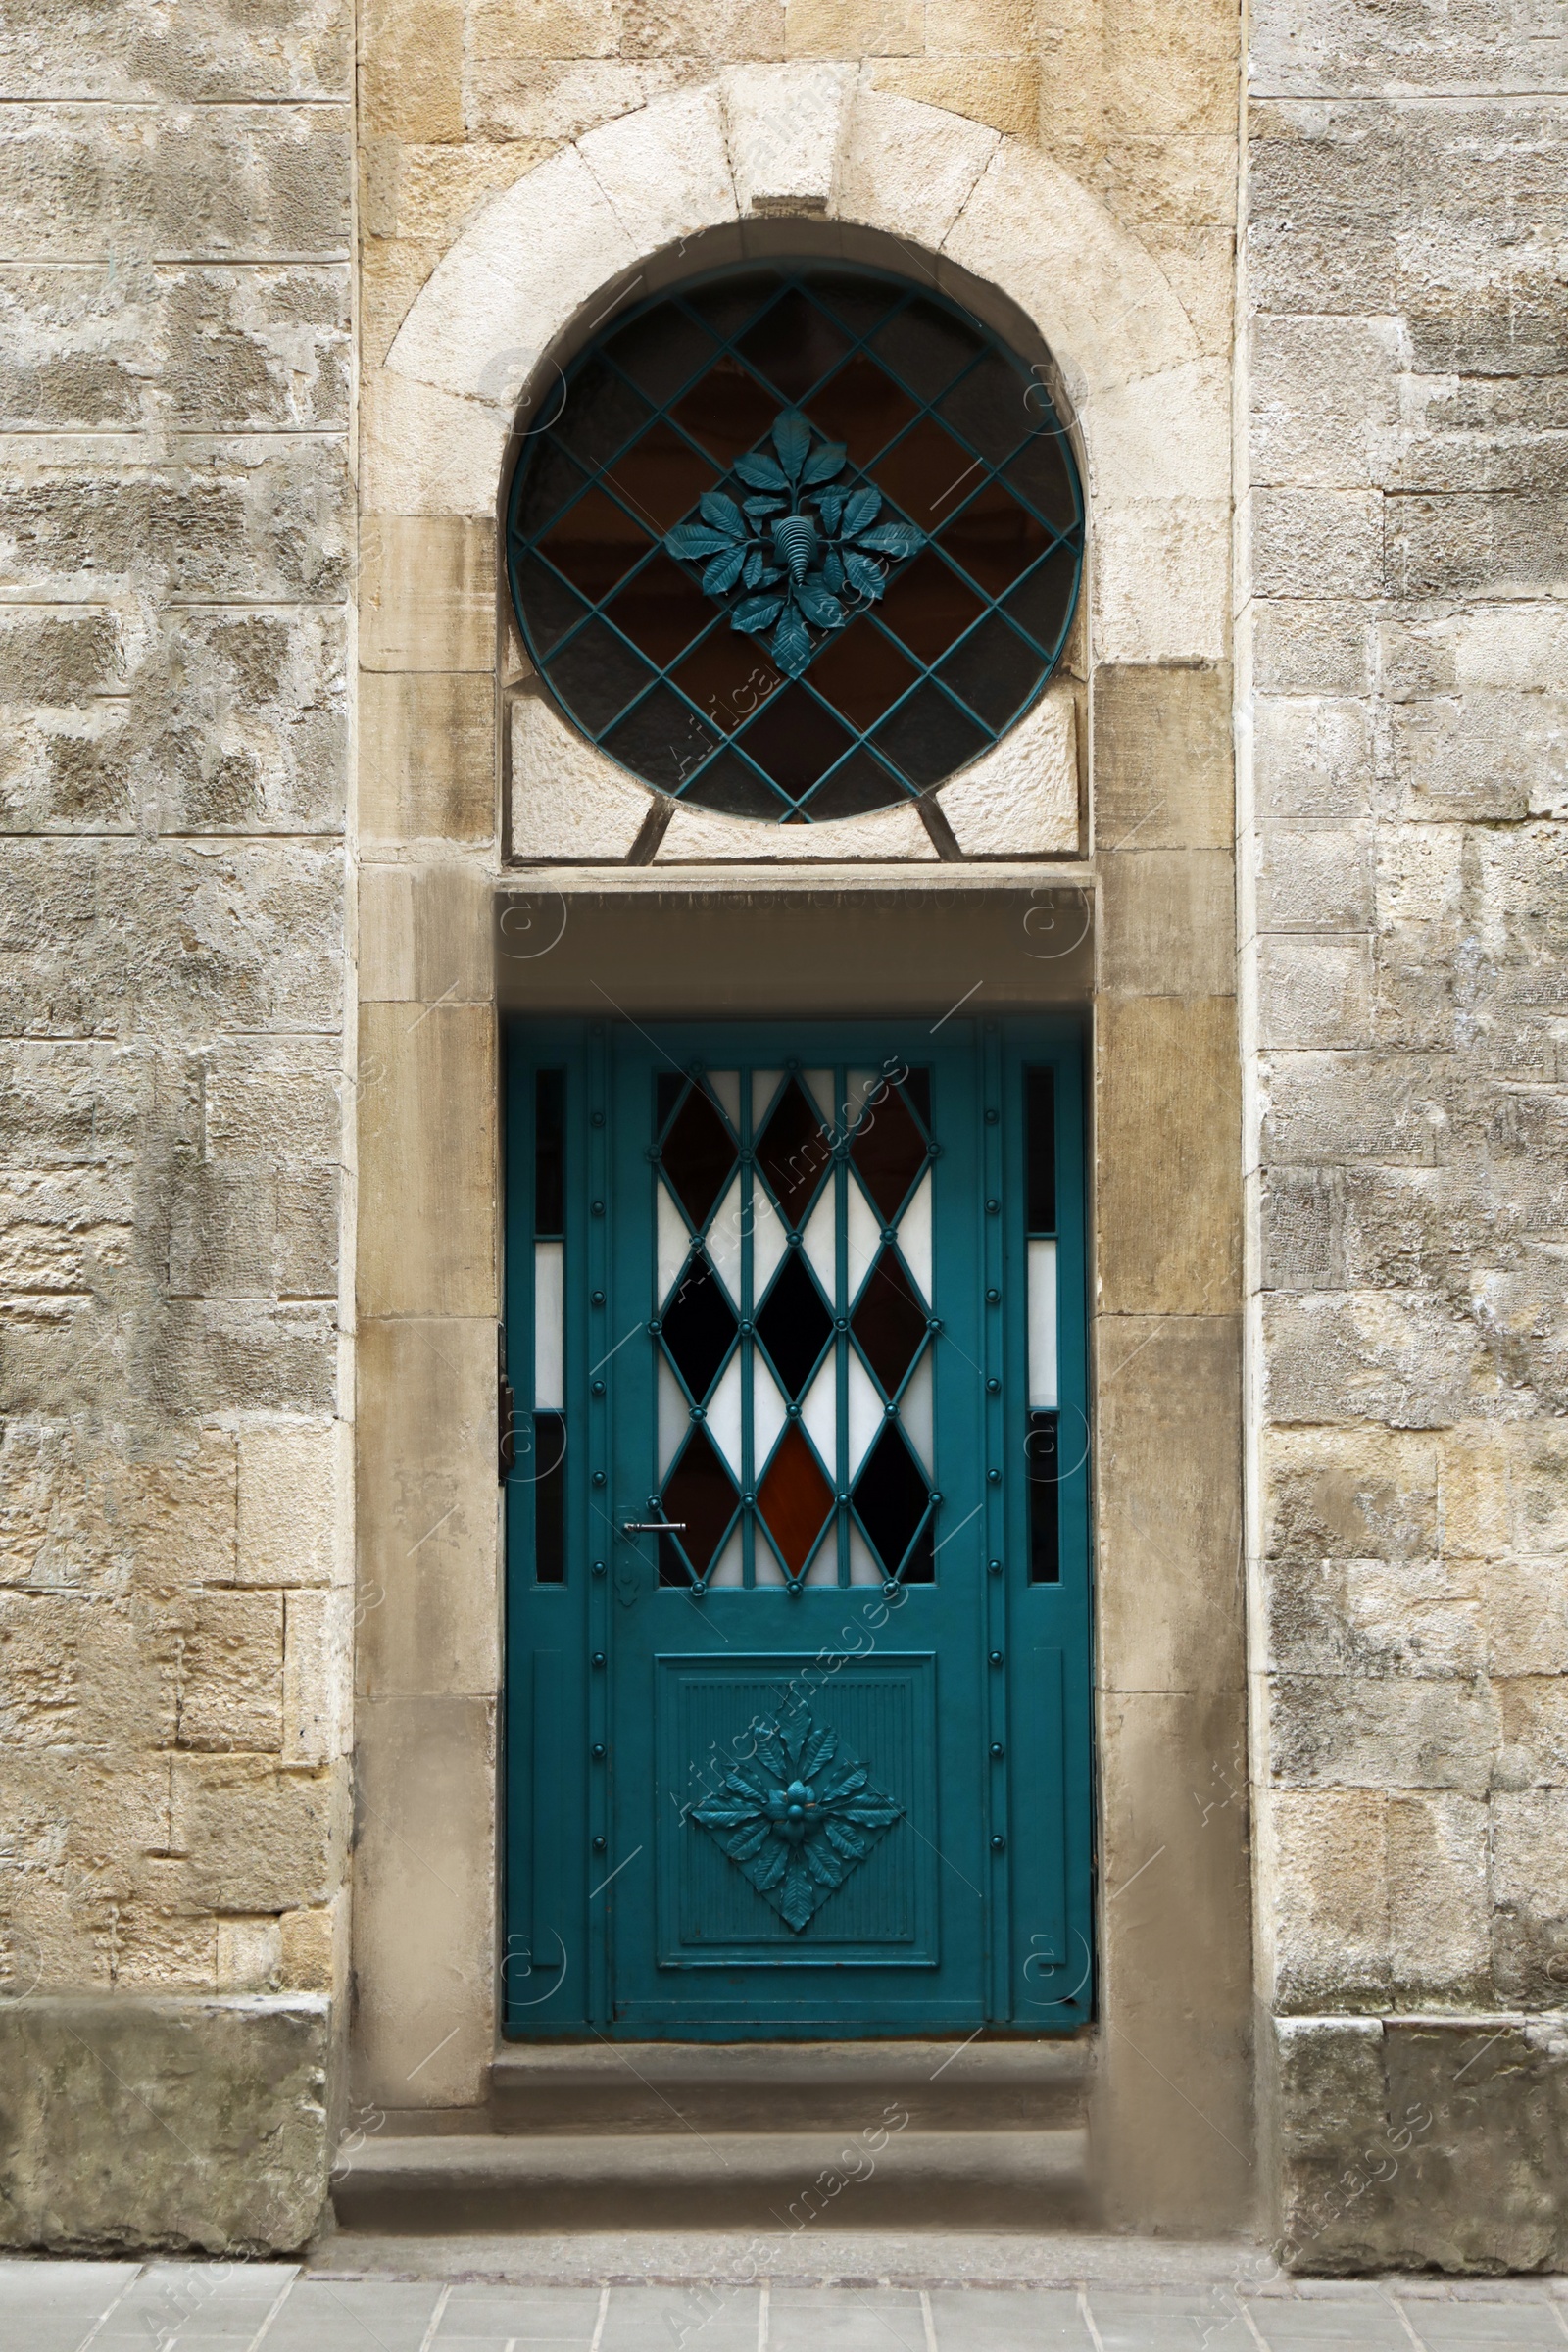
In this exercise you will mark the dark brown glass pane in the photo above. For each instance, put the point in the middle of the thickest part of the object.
(795, 740)
(854, 789)
(697, 1156)
(995, 670)
(1040, 1149)
(669, 1087)
(888, 1151)
(1043, 1453)
(929, 607)
(661, 478)
(794, 1325)
(549, 480)
(596, 676)
(994, 539)
(862, 673)
(661, 609)
(660, 740)
(917, 1090)
(860, 302)
(993, 407)
(928, 474)
(794, 1499)
(549, 1498)
(701, 1491)
(1040, 472)
(728, 307)
(792, 1151)
(1043, 600)
(549, 1154)
(794, 345)
(926, 346)
(600, 415)
(699, 1324)
(928, 737)
(891, 1496)
(888, 1322)
(730, 787)
(728, 677)
(726, 411)
(863, 407)
(549, 606)
(660, 350)
(594, 544)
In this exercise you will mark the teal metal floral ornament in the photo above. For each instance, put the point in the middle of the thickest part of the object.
(801, 552)
(797, 1818)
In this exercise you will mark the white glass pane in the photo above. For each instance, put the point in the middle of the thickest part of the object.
(820, 1087)
(767, 1417)
(864, 1566)
(1042, 1327)
(674, 1418)
(724, 1239)
(914, 1411)
(673, 1242)
(549, 1369)
(914, 1236)
(819, 1411)
(865, 1235)
(726, 1085)
(764, 1085)
(865, 1412)
(730, 1567)
(768, 1234)
(724, 1415)
(818, 1244)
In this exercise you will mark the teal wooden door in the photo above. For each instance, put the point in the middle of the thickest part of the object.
(798, 1722)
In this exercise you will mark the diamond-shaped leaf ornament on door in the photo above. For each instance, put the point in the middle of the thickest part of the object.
(798, 1818)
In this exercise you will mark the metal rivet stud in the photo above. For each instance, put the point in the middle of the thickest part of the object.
(598, 1752)
(933, 1322)
(991, 1116)
(994, 1478)
(841, 1499)
(654, 1327)
(891, 1411)
(746, 1325)
(998, 1843)
(749, 1502)
(993, 1297)
(596, 1118)
(599, 1567)
(596, 1298)
(993, 1208)
(596, 1208)
(599, 1657)
(599, 1844)
(841, 1322)
(994, 1567)
(598, 1387)
(935, 1496)
(792, 1586)
(997, 1748)
(992, 1388)
(996, 1658)
(932, 1150)
(599, 1478)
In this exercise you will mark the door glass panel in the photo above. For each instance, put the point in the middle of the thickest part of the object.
(867, 1410)
(724, 1415)
(819, 1410)
(698, 1326)
(674, 1242)
(697, 1154)
(675, 1416)
(702, 1496)
(549, 1306)
(915, 1237)
(890, 1323)
(819, 1239)
(889, 1152)
(724, 1239)
(795, 1325)
(915, 1410)
(794, 1499)
(893, 1504)
(726, 1085)
(793, 1152)
(1043, 1326)
(1043, 1438)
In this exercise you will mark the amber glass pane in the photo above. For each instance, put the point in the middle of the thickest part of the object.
(928, 474)
(1042, 601)
(728, 306)
(928, 737)
(699, 1325)
(548, 604)
(994, 539)
(661, 478)
(860, 302)
(792, 1151)
(993, 407)
(697, 1156)
(661, 609)
(794, 1499)
(929, 606)
(852, 790)
(597, 675)
(794, 1324)
(863, 407)
(926, 346)
(600, 415)
(862, 673)
(732, 788)
(891, 1496)
(889, 1152)
(660, 350)
(726, 411)
(729, 678)
(916, 1086)
(594, 544)
(701, 1491)
(661, 739)
(995, 670)
(888, 1322)
(551, 479)
(794, 345)
(1040, 472)
(795, 740)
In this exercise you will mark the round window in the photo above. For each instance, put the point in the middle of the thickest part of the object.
(797, 541)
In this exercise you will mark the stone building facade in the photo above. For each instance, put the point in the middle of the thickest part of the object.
(293, 830)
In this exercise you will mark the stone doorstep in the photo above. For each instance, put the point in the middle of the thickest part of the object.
(1028, 2087)
(437, 2185)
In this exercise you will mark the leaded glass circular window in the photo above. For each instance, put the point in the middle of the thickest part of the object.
(798, 543)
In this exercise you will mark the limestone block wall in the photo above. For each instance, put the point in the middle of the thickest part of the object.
(176, 548)
(1403, 560)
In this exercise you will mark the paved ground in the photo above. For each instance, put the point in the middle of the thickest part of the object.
(240, 2307)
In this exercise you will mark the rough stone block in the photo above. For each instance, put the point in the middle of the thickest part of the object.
(1325, 1875)
(281, 1095)
(70, 49)
(1530, 1888)
(249, 1953)
(1163, 756)
(249, 1835)
(854, 29)
(426, 757)
(667, 170)
(318, 1670)
(1350, 1495)
(426, 450)
(134, 2124)
(1162, 579)
(83, 1507)
(889, 167)
(228, 1674)
(1313, 759)
(1345, 1104)
(1474, 544)
(1485, 756)
(1325, 402)
(568, 801)
(555, 99)
(1534, 1732)
(705, 28)
(1167, 1116)
(1334, 49)
(696, 837)
(1301, 541)
(427, 594)
(1020, 799)
(1309, 646)
(291, 1502)
(1396, 1358)
(1002, 94)
(1313, 991)
(1395, 1733)
(786, 129)
(1314, 877)
(413, 86)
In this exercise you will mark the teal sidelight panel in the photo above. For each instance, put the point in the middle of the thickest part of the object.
(797, 1725)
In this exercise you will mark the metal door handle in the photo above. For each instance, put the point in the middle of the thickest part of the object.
(653, 1527)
